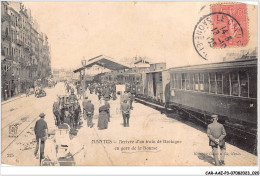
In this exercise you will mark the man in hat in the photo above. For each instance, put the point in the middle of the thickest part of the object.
(56, 111)
(72, 97)
(41, 132)
(89, 111)
(108, 109)
(125, 108)
(84, 104)
(125, 97)
(216, 133)
(132, 98)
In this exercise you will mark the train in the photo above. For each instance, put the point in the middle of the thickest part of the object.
(228, 89)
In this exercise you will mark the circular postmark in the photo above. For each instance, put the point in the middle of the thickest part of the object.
(216, 30)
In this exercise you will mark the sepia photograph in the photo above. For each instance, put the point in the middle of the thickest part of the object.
(94, 83)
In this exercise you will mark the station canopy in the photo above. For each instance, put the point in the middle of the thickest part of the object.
(103, 61)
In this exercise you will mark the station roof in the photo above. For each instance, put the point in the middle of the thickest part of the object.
(103, 61)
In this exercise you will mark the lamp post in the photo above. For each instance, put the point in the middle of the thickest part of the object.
(83, 62)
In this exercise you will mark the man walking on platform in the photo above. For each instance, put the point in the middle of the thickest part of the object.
(108, 109)
(41, 132)
(125, 108)
(125, 97)
(56, 111)
(90, 112)
(132, 98)
(216, 133)
(84, 105)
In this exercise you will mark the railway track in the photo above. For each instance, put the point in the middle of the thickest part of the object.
(32, 117)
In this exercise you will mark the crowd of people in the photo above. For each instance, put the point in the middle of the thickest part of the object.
(105, 92)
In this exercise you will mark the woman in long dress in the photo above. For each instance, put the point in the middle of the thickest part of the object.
(103, 116)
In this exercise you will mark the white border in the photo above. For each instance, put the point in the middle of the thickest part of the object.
(142, 170)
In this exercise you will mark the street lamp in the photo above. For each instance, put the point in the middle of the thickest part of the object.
(83, 62)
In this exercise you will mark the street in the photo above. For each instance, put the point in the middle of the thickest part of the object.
(152, 138)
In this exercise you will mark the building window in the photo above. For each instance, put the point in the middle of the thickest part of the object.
(234, 84)
(219, 78)
(243, 77)
(212, 78)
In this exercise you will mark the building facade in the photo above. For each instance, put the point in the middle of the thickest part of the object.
(25, 52)
(64, 75)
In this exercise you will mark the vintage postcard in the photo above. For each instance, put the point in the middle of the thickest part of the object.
(129, 83)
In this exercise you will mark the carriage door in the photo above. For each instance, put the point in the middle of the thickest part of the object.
(154, 84)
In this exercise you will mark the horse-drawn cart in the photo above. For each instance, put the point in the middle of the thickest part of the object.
(70, 111)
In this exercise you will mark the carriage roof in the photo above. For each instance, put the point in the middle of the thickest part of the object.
(219, 65)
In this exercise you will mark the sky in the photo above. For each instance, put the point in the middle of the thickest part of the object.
(161, 31)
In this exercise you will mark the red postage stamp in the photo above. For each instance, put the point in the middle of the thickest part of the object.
(229, 25)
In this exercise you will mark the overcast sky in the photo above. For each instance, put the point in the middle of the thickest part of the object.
(158, 30)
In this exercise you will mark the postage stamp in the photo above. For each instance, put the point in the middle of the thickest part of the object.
(225, 27)
(230, 30)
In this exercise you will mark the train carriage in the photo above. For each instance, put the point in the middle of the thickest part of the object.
(228, 89)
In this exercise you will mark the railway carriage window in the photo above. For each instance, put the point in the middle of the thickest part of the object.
(201, 81)
(191, 81)
(137, 79)
(234, 83)
(187, 81)
(173, 81)
(243, 79)
(183, 81)
(176, 81)
(196, 81)
(253, 83)
(206, 82)
(226, 85)
(212, 78)
(219, 83)
(179, 81)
